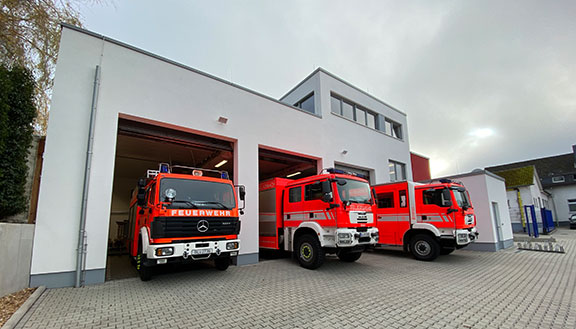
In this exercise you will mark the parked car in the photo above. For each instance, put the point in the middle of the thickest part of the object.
(573, 221)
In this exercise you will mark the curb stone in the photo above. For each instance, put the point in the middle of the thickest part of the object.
(19, 314)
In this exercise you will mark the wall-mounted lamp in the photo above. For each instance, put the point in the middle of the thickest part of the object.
(221, 163)
(344, 152)
(223, 120)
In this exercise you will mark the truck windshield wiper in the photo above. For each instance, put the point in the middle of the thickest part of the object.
(188, 203)
(213, 202)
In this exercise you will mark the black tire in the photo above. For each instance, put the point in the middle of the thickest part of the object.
(308, 252)
(347, 256)
(424, 247)
(446, 251)
(145, 272)
(222, 264)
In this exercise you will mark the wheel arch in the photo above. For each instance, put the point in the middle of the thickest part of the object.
(414, 231)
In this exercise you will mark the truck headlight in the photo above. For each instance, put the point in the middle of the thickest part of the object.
(232, 245)
(344, 236)
(166, 251)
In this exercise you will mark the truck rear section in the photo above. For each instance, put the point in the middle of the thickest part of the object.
(178, 214)
(329, 213)
(425, 219)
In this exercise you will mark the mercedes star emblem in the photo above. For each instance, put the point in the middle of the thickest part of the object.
(202, 226)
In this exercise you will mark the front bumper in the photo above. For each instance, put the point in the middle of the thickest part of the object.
(350, 237)
(193, 250)
(466, 236)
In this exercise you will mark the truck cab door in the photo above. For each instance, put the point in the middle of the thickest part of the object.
(433, 208)
(386, 217)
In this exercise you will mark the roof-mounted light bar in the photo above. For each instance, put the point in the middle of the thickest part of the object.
(167, 169)
(343, 172)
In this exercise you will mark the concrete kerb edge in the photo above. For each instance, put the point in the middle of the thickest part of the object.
(21, 312)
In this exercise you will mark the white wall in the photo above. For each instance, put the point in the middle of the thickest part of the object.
(142, 86)
(497, 191)
(561, 195)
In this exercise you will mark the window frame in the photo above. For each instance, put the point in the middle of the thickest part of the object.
(397, 164)
(355, 109)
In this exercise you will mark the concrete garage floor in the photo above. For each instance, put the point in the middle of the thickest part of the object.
(468, 289)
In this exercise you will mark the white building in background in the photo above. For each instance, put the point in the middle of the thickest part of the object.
(488, 196)
(149, 109)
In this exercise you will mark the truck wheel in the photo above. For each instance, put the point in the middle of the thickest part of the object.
(145, 272)
(309, 253)
(222, 264)
(446, 251)
(424, 247)
(347, 256)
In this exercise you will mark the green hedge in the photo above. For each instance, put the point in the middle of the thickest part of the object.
(17, 113)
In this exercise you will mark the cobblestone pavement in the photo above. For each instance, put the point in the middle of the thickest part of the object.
(384, 289)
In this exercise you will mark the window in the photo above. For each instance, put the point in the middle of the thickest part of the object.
(393, 129)
(558, 179)
(385, 200)
(572, 205)
(402, 199)
(348, 110)
(353, 111)
(306, 104)
(397, 171)
(435, 197)
(295, 194)
(360, 116)
(313, 191)
(371, 120)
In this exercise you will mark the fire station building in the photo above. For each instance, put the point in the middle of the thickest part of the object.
(118, 111)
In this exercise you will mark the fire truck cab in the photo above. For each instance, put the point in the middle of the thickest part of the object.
(312, 216)
(179, 214)
(425, 219)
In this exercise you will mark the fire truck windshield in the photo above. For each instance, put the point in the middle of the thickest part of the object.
(461, 198)
(354, 191)
(189, 193)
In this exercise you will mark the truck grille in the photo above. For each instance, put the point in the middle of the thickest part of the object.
(175, 227)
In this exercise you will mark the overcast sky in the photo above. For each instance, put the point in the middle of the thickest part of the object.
(482, 82)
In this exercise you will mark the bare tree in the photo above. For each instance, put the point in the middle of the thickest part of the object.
(30, 37)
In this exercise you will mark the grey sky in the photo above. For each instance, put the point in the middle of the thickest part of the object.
(483, 82)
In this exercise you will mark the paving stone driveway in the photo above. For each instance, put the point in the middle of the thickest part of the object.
(507, 289)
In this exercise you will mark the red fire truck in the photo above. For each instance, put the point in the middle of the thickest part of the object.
(312, 216)
(179, 214)
(425, 219)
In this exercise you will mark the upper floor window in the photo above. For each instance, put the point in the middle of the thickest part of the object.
(558, 179)
(393, 129)
(353, 111)
(397, 171)
(306, 103)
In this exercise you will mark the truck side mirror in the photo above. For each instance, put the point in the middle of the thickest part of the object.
(242, 197)
(446, 198)
(326, 188)
(242, 191)
(141, 197)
